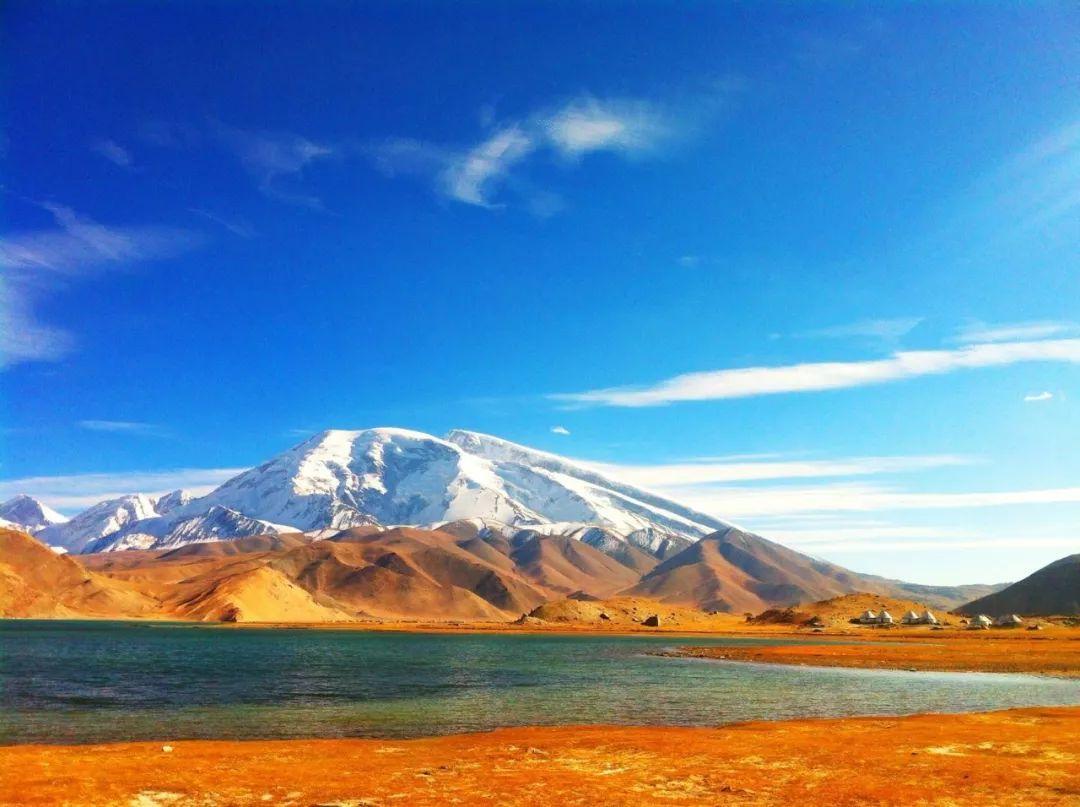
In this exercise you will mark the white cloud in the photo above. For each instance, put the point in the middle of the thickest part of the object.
(1038, 397)
(849, 536)
(273, 157)
(588, 124)
(888, 330)
(560, 430)
(978, 332)
(38, 262)
(113, 152)
(478, 174)
(237, 228)
(818, 376)
(122, 427)
(474, 177)
(1016, 542)
(706, 472)
(745, 502)
(78, 243)
(75, 492)
(23, 338)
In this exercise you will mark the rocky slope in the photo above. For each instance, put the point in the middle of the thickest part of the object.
(1052, 590)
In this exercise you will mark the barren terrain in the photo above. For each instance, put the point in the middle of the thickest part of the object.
(1028, 756)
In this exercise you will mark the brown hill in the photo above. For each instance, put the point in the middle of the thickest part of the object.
(624, 612)
(1053, 590)
(407, 573)
(469, 572)
(36, 582)
(258, 594)
(563, 565)
(841, 610)
(736, 571)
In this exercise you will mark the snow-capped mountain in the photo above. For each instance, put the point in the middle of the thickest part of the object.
(585, 496)
(28, 514)
(216, 524)
(173, 501)
(105, 518)
(341, 479)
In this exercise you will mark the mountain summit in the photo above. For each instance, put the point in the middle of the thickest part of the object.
(387, 476)
(29, 514)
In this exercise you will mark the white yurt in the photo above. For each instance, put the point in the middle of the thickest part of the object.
(980, 622)
(910, 618)
(885, 618)
(868, 617)
(928, 618)
(1009, 621)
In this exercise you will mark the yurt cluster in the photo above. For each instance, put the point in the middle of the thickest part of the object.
(980, 622)
(883, 617)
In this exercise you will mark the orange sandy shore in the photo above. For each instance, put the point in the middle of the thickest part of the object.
(959, 651)
(1024, 756)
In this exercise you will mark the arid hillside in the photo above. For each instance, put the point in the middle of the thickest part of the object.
(460, 572)
(1054, 589)
(36, 582)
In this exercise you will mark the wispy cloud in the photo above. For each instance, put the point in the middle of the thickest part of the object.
(474, 177)
(274, 159)
(979, 332)
(560, 430)
(1030, 201)
(37, 263)
(237, 228)
(1038, 397)
(588, 124)
(480, 174)
(22, 337)
(113, 152)
(747, 382)
(123, 427)
(671, 475)
(74, 492)
(886, 330)
(938, 544)
(752, 502)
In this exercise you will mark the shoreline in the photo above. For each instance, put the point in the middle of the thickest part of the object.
(1022, 755)
(1056, 658)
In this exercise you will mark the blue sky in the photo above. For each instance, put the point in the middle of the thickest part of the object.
(812, 268)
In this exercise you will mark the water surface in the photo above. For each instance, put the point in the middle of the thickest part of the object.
(66, 682)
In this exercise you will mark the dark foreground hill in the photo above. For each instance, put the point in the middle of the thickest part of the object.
(1053, 590)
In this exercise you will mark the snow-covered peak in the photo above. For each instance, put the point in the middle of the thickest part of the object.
(349, 478)
(339, 479)
(648, 510)
(172, 501)
(29, 513)
(102, 519)
(217, 524)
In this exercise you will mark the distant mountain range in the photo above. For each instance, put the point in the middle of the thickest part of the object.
(466, 570)
(557, 526)
(342, 479)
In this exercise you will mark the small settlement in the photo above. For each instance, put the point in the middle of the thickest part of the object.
(980, 622)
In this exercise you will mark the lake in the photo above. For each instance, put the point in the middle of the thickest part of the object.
(64, 682)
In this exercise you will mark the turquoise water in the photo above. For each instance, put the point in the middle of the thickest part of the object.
(66, 682)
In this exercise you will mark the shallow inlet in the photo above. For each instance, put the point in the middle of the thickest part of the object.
(64, 682)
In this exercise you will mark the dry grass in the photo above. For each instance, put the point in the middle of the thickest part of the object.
(1029, 756)
(1055, 651)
